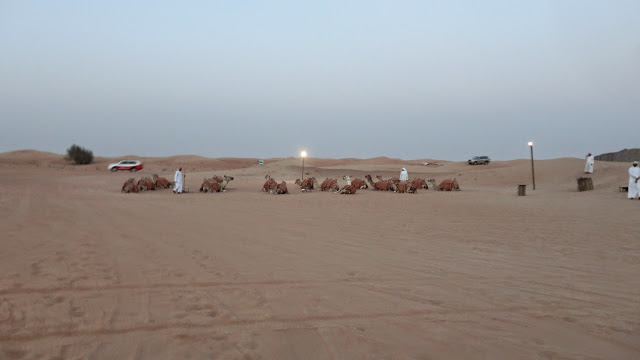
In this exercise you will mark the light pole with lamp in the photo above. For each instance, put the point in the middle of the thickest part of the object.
(303, 155)
(533, 173)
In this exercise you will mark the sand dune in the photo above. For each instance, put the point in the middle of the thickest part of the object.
(87, 272)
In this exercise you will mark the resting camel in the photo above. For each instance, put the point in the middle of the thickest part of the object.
(212, 185)
(358, 183)
(419, 183)
(307, 184)
(329, 184)
(449, 185)
(405, 187)
(270, 185)
(207, 184)
(348, 189)
(383, 185)
(161, 182)
(281, 188)
(394, 180)
(146, 184)
(130, 186)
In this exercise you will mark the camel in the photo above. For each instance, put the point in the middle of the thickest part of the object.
(146, 184)
(348, 189)
(207, 185)
(358, 183)
(329, 184)
(281, 188)
(383, 185)
(130, 186)
(405, 187)
(432, 182)
(419, 183)
(161, 182)
(307, 184)
(394, 180)
(449, 185)
(212, 185)
(151, 185)
(225, 180)
(270, 185)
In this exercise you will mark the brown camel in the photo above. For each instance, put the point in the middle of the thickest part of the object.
(330, 184)
(419, 183)
(281, 188)
(207, 184)
(145, 184)
(348, 190)
(161, 182)
(394, 180)
(405, 187)
(212, 185)
(270, 185)
(130, 186)
(383, 185)
(307, 184)
(449, 185)
(359, 183)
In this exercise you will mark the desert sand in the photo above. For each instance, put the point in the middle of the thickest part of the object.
(87, 272)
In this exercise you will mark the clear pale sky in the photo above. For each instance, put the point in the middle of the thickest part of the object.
(409, 79)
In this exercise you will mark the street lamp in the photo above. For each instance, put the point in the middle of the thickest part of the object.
(533, 173)
(303, 155)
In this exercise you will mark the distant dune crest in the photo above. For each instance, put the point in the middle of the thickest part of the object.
(626, 155)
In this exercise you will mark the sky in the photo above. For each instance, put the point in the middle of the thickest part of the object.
(340, 79)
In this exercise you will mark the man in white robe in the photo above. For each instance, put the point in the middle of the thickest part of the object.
(404, 175)
(588, 167)
(634, 185)
(178, 179)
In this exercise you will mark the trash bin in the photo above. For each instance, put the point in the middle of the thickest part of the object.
(522, 190)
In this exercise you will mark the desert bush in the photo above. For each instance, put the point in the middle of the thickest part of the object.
(79, 155)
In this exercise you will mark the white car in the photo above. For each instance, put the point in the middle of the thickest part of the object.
(479, 160)
(131, 165)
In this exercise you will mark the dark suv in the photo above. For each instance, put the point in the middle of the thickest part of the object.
(479, 160)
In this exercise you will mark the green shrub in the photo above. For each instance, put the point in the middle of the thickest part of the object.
(79, 155)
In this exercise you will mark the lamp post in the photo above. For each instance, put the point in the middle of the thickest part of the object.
(303, 155)
(533, 173)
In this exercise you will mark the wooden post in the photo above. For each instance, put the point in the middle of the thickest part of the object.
(522, 190)
(585, 183)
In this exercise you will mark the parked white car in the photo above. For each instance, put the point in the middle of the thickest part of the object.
(479, 160)
(131, 165)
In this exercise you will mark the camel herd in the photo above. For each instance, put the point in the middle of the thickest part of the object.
(218, 184)
(145, 184)
(393, 184)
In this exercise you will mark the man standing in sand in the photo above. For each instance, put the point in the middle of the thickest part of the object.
(588, 167)
(178, 179)
(634, 174)
(404, 175)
